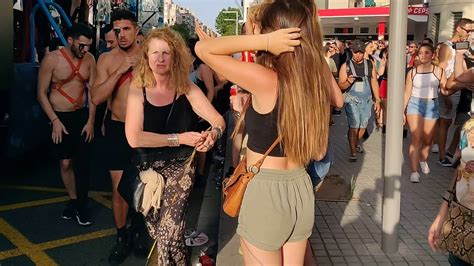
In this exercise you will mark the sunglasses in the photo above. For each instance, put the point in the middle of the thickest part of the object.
(468, 31)
(83, 45)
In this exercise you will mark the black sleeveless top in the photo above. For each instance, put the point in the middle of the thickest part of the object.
(262, 131)
(180, 120)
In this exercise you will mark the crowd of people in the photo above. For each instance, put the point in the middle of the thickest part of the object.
(162, 98)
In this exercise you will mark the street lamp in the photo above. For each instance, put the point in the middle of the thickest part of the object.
(231, 19)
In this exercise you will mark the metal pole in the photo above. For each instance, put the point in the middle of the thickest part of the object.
(236, 23)
(393, 141)
(6, 51)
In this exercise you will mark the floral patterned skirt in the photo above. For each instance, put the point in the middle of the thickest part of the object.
(167, 225)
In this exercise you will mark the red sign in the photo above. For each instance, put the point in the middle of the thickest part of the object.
(381, 30)
(421, 11)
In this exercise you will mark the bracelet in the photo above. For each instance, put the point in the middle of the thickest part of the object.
(173, 140)
(237, 114)
(218, 130)
(52, 121)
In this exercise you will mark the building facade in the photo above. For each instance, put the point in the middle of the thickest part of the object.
(444, 14)
(151, 14)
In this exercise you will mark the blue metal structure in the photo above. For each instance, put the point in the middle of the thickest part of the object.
(43, 4)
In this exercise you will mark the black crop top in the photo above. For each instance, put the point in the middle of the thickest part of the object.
(262, 131)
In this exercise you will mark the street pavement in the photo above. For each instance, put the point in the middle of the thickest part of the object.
(350, 232)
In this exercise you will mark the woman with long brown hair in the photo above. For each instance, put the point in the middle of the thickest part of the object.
(421, 108)
(290, 100)
(158, 125)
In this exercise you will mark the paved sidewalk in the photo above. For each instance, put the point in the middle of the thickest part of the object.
(349, 233)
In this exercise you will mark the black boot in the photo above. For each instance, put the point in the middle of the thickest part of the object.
(121, 248)
(141, 240)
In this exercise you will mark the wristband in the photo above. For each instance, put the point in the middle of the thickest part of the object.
(268, 40)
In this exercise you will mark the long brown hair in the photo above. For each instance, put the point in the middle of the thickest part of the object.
(303, 97)
(180, 66)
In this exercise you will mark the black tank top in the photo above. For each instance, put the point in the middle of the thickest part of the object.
(180, 119)
(262, 130)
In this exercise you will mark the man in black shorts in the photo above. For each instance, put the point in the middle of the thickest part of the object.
(65, 73)
(114, 76)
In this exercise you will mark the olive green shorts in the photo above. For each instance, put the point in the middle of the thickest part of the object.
(278, 207)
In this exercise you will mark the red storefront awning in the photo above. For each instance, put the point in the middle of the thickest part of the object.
(355, 12)
(368, 12)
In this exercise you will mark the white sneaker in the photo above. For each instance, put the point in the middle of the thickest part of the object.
(415, 177)
(425, 169)
(435, 148)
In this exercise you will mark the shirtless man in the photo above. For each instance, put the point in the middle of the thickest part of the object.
(66, 72)
(114, 74)
(109, 37)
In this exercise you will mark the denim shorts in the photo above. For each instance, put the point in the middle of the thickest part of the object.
(424, 107)
(358, 113)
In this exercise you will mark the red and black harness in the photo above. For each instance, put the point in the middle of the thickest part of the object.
(75, 73)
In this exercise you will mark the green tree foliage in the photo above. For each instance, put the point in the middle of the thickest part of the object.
(227, 27)
(184, 30)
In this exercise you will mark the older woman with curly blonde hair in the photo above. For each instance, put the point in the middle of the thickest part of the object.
(158, 125)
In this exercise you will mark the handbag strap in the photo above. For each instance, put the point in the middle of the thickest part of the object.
(240, 123)
(259, 163)
(450, 194)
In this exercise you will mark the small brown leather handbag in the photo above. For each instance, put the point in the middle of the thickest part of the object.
(234, 186)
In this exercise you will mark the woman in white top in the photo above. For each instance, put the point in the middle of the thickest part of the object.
(422, 85)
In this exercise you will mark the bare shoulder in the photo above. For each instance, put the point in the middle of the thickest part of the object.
(104, 58)
(89, 57)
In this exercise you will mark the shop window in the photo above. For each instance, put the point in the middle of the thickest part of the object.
(435, 27)
(456, 16)
(369, 3)
(364, 30)
(343, 30)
